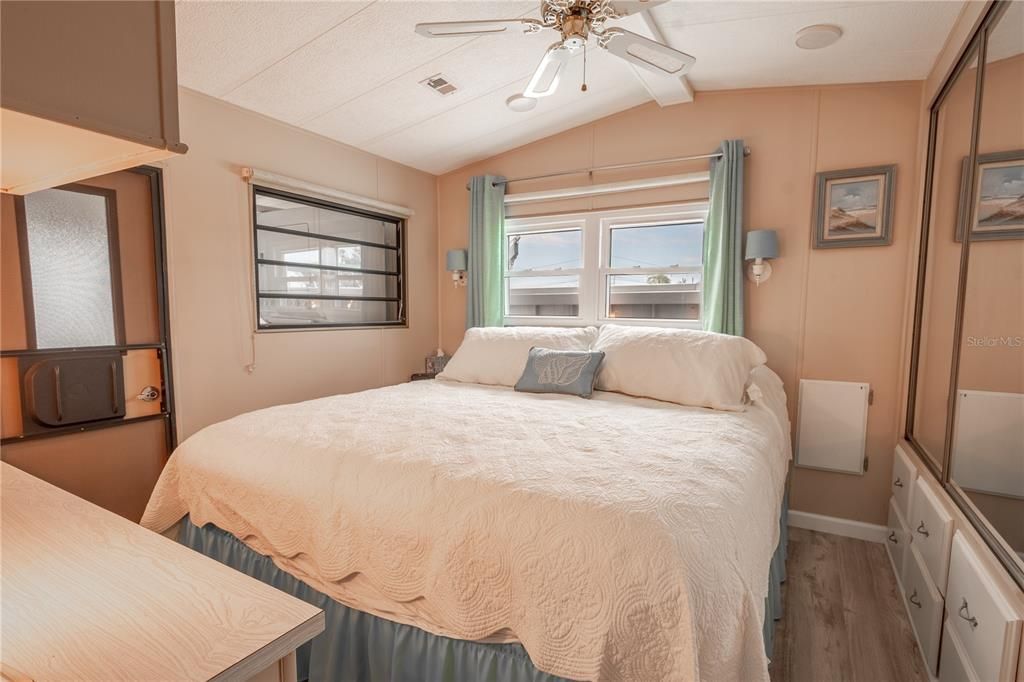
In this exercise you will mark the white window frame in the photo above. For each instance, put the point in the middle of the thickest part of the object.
(595, 228)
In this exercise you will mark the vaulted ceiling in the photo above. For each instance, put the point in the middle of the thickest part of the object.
(352, 70)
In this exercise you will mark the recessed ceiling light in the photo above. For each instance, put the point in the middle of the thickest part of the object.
(521, 103)
(818, 36)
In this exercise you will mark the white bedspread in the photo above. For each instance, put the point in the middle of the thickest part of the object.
(616, 538)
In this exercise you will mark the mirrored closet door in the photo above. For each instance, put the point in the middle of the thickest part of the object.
(937, 296)
(987, 450)
(966, 409)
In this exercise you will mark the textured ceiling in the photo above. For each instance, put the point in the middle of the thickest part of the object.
(351, 70)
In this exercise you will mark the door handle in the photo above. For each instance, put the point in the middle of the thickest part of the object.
(914, 600)
(922, 530)
(892, 538)
(149, 394)
(897, 483)
(56, 393)
(114, 404)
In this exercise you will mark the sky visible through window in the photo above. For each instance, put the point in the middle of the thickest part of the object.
(668, 246)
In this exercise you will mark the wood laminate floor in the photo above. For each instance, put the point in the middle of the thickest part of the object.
(844, 618)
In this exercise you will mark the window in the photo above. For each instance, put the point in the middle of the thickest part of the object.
(633, 265)
(320, 264)
(71, 236)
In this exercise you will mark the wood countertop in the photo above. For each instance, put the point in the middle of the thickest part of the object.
(89, 595)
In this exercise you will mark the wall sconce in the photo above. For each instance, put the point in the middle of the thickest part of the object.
(456, 263)
(762, 245)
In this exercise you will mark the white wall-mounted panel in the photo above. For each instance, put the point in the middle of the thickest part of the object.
(832, 423)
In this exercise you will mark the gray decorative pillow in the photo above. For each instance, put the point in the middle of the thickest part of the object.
(560, 371)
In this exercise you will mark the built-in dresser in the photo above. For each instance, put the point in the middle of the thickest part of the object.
(967, 615)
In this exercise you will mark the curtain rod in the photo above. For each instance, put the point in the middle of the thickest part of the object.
(618, 166)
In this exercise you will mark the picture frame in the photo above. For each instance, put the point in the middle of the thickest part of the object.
(853, 207)
(998, 198)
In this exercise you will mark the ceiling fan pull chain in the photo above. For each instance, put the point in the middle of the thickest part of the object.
(584, 87)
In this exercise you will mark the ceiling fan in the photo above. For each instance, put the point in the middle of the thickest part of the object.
(576, 21)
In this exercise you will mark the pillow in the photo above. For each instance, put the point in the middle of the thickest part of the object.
(560, 371)
(497, 355)
(682, 366)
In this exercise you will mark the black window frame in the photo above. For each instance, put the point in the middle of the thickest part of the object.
(316, 202)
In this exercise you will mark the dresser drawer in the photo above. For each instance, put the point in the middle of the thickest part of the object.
(924, 603)
(981, 615)
(897, 538)
(904, 474)
(954, 666)
(931, 531)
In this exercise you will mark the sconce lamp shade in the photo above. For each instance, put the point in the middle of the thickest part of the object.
(762, 244)
(457, 260)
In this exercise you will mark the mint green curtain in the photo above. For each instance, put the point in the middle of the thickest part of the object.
(485, 299)
(722, 295)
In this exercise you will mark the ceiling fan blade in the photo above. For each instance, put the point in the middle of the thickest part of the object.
(545, 79)
(625, 8)
(650, 54)
(459, 29)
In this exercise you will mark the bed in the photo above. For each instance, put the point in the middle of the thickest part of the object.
(611, 538)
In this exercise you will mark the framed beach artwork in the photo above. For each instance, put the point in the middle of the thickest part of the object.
(854, 207)
(998, 199)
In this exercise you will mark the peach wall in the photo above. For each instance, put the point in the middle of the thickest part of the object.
(825, 314)
(210, 259)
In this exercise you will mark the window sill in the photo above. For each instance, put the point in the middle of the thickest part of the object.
(578, 322)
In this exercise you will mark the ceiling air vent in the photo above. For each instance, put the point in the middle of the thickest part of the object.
(439, 84)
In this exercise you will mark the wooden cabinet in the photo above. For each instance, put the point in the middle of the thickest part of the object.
(897, 539)
(924, 604)
(89, 595)
(904, 476)
(981, 615)
(954, 665)
(967, 616)
(931, 530)
(86, 88)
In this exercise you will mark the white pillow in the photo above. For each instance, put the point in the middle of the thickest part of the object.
(682, 366)
(497, 355)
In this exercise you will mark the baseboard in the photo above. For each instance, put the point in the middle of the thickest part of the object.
(837, 526)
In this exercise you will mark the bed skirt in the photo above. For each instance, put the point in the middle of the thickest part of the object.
(357, 646)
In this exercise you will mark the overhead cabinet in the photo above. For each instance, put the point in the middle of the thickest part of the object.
(86, 88)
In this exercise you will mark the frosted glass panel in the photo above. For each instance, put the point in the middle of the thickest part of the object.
(69, 260)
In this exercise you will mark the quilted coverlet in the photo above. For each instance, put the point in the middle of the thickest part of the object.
(616, 538)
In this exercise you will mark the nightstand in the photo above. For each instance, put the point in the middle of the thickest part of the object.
(421, 376)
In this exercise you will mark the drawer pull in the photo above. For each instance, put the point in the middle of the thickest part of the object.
(914, 600)
(922, 530)
(897, 483)
(966, 615)
(892, 537)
